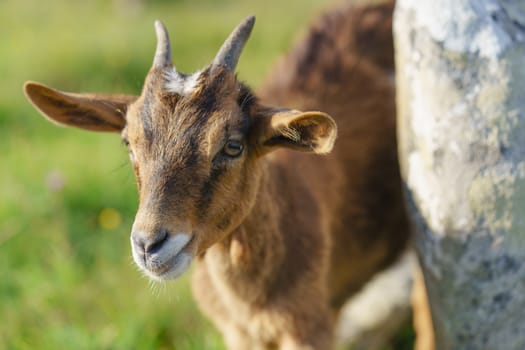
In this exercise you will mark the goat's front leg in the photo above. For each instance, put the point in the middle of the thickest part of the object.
(316, 341)
(313, 333)
(422, 315)
(237, 339)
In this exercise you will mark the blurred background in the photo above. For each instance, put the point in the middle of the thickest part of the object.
(68, 197)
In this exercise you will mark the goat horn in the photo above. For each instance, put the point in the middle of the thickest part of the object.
(163, 52)
(229, 53)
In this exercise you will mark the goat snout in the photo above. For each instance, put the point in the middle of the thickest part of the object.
(162, 255)
(149, 243)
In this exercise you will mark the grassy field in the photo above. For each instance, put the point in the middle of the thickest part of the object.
(68, 197)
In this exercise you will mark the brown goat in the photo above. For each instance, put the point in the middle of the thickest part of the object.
(280, 238)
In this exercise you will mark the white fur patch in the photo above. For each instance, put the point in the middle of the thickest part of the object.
(181, 84)
(170, 256)
(174, 245)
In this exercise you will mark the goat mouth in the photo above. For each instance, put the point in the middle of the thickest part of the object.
(173, 267)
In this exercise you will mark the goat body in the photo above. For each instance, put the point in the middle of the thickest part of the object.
(280, 238)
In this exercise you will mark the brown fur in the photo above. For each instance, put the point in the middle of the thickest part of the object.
(344, 68)
(281, 238)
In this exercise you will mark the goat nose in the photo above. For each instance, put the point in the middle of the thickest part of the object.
(148, 243)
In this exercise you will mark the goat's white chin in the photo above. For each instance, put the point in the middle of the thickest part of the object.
(172, 269)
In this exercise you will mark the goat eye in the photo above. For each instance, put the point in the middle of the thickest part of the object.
(233, 148)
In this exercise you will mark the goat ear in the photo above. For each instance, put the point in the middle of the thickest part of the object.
(313, 132)
(95, 112)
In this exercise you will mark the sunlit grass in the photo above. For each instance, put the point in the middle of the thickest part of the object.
(67, 279)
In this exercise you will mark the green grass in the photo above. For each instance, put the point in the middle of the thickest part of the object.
(67, 282)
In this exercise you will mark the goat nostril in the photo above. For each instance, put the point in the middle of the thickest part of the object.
(156, 242)
(149, 244)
